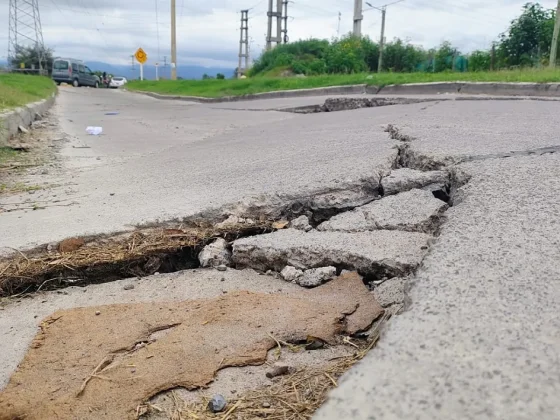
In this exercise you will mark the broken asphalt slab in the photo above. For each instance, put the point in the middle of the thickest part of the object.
(412, 211)
(405, 179)
(481, 339)
(378, 253)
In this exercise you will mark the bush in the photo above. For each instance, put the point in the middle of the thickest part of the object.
(346, 56)
(402, 57)
(479, 61)
(286, 55)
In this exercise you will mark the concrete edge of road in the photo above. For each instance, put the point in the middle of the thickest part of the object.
(434, 88)
(331, 90)
(11, 120)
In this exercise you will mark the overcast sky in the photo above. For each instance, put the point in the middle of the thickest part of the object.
(208, 31)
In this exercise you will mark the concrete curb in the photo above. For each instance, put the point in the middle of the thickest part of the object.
(331, 90)
(24, 116)
(435, 88)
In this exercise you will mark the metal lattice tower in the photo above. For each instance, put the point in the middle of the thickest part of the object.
(25, 28)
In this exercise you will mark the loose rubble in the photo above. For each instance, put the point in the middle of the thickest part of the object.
(309, 278)
(316, 276)
(291, 274)
(382, 252)
(215, 254)
(217, 404)
(301, 223)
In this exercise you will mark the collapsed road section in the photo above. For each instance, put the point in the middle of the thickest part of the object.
(337, 266)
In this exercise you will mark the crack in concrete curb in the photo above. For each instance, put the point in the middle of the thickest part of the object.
(516, 91)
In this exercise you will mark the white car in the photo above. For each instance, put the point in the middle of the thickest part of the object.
(117, 82)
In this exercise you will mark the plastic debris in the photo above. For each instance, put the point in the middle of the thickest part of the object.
(217, 404)
(94, 131)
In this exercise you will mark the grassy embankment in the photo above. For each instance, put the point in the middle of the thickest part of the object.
(17, 90)
(20, 89)
(214, 88)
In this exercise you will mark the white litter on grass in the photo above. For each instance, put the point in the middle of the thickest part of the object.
(94, 131)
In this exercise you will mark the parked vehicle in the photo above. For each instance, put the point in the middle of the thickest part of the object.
(117, 82)
(74, 72)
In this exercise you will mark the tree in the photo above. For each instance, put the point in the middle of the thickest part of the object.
(528, 38)
(220, 76)
(400, 56)
(33, 57)
(444, 56)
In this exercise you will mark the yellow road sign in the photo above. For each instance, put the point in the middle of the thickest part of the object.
(141, 56)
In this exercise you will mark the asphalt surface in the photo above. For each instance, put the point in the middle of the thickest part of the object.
(161, 160)
(481, 339)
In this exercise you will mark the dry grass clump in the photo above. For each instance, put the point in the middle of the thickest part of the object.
(140, 253)
(292, 397)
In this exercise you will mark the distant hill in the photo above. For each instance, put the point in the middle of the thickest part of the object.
(185, 72)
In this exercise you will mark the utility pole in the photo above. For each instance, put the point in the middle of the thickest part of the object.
(338, 28)
(382, 39)
(278, 22)
(493, 58)
(358, 17)
(554, 45)
(173, 41)
(132, 61)
(278, 14)
(284, 17)
(165, 64)
(383, 10)
(243, 44)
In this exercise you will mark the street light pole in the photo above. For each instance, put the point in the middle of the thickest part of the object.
(173, 42)
(382, 39)
(554, 45)
(383, 10)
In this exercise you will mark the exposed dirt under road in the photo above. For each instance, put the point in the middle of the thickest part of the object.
(104, 362)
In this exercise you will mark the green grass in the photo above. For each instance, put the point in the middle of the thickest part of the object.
(7, 154)
(20, 89)
(217, 88)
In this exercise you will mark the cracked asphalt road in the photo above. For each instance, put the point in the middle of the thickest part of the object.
(161, 160)
(481, 339)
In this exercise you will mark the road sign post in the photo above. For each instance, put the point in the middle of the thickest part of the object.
(141, 57)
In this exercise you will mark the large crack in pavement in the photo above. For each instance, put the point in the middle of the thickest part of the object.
(381, 227)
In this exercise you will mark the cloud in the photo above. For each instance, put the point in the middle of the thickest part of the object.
(208, 31)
